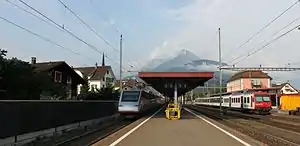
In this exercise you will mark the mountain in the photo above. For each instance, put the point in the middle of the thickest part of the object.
(186, 61)
(205, 62)
(152, 64)
(184, 57)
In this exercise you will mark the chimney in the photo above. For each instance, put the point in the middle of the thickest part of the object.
(103, 60)
(33, 60)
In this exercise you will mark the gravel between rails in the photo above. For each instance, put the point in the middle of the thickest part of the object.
(280, 122)
(267, 134)
(99, 134)
(93, 136)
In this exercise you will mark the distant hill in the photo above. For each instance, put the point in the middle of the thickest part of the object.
(186, 61)
(183, 58)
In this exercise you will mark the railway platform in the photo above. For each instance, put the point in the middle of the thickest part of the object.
(191, 130)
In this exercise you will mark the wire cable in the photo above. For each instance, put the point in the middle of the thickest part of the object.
(91, 46)
(276, 33)
(269, 43)
(267, 25)
(17, 6)
(42, 37)
(89, 27)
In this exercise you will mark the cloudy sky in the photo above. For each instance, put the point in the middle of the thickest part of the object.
(154, 29)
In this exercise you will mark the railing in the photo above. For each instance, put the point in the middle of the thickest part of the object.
(27, 116)
(55, 131)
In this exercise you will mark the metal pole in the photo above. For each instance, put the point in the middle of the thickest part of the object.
(192, 96)
(214, 85)
(175, 93)
(121, 47)
(220, 71)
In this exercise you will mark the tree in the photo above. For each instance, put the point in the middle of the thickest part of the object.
(107, 93)
(48, 89)
(85, 88)
(21, 82)
(3, 53)
(2, 61)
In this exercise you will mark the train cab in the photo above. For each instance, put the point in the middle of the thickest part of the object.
(129, 102)
(262, 102)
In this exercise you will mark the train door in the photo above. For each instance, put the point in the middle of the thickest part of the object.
(242, 102)
(251, 100)
(229, 101)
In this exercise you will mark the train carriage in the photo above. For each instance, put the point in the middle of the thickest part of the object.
(245, 101)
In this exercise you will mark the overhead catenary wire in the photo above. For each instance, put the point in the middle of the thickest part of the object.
(38, 17)
(269, 43)
(90, 28)
(107, 19)
(276, 33)
(43, 38)
(66, 30)
(262, 29)
(55, 25)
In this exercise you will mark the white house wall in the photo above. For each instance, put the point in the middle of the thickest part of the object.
(100, 83)
(95, 82)
(79, 86)
(286, 89)
(110, 75)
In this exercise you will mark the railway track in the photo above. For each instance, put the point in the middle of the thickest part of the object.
(286, 123)
(92, 136)
(264, 132)
(95, 135)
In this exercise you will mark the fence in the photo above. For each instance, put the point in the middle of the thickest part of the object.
(19, 117)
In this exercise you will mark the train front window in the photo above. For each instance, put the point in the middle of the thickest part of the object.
(266, 98)
(262, 98)
(258, 99)
(131, 96)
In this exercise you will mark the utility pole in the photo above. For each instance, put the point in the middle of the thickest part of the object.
(121, 47)
(214, 85)
(220, 71)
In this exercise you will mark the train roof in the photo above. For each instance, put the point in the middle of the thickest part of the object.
(238, 92)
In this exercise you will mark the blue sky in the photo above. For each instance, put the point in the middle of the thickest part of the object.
(141, 26)
(152, 29)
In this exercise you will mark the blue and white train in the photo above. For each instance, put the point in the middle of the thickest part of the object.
(134, 103)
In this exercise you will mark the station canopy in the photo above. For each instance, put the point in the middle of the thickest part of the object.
(164, 82)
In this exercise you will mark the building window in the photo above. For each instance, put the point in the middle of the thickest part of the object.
(69, 80)
(107, 72)
(103, 78)
(57, 76)
(103, 86)
(255, 82)
(94, 86)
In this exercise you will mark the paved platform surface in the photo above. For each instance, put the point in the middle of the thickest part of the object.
(188, 131)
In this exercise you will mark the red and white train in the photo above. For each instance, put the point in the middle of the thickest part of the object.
(245, 101)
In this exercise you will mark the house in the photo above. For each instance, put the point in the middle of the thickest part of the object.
(61, 73)
(285, 88)
(248, 80)
(97, 76)
(129, 84)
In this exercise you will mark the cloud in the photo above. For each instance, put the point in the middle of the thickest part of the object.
(238, 21)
